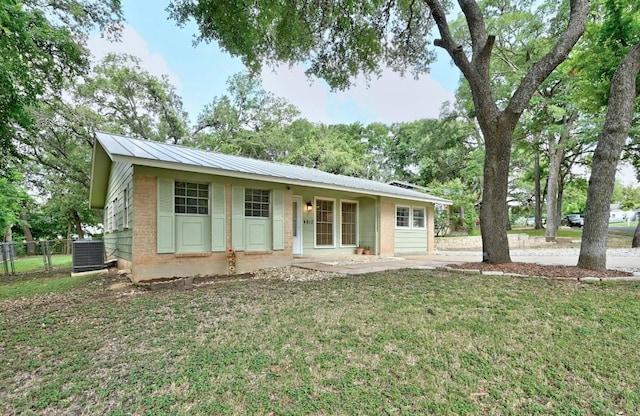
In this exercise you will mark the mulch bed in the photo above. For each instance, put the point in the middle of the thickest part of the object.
(532, 269)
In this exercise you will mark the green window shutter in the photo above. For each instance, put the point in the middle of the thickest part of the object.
(218, 218)
(237, 217)
(278, 220)
(166, 224)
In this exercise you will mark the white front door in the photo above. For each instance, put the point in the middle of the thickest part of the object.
(296, 222)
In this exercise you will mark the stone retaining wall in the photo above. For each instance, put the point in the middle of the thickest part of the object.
(475, 242)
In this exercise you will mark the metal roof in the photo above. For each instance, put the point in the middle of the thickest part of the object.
(157, 154)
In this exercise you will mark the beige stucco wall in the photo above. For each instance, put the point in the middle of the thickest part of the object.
(387, 228)
(431, 223)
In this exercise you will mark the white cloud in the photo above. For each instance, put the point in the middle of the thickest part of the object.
(626, 174)
(311, 97)
(390, 98)
(134, 44)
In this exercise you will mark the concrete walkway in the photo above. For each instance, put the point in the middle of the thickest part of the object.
(358, 265)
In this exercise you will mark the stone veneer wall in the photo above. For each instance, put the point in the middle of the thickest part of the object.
(475, 242)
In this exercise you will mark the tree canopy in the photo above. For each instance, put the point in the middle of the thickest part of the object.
(42, 47)
(342, 39)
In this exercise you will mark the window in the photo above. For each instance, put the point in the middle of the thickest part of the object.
(411, 217)
(294, 219)
(324, 222)
(125, 208)
(256, 203)
(114, 214)
(402, 217)
(418, 218)
(349, 224)
(191, 198)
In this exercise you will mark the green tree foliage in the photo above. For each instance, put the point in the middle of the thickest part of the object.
(338, 38)
(336, 149)
(463, 211)
(118, 97)
(245, 121)
(12, 197)
(613, 30)
(629, 198)
(427, 151)
(42, 47)
(58, 162)
(129, 100)
(614, 38)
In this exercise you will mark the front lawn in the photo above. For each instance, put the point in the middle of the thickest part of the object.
(402, 342)
(36, 263)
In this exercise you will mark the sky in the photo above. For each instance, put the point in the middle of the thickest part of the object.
(200, 73)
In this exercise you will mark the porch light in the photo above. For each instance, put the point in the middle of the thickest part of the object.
(309, 206)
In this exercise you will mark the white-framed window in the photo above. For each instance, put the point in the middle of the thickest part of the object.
(419, 217)
(403, 217)
(348, 223)
(191, 198)
(125, 208)
(257, 203)
(114, 215)
(325, 221)
(411, 217)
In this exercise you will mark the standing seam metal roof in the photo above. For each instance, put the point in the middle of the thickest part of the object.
(120, 146)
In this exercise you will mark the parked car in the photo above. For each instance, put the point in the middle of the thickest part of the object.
(572, 220)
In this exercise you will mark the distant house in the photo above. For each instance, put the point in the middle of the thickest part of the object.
(616, 214)
(176, 211)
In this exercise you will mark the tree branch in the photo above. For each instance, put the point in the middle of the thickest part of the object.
(543, 68)
(446, 41)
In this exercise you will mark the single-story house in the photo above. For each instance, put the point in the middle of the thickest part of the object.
(177, 211)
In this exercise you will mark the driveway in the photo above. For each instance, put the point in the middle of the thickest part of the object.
(620, 259)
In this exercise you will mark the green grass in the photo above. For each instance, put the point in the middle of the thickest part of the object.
(36, 263)
(562, 232)
(27, 287)
(615, 239)
(624, 224)
(405, 342)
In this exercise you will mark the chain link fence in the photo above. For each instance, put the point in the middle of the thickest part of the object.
(35, 256)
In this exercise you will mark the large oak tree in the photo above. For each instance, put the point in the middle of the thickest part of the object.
(343, 38)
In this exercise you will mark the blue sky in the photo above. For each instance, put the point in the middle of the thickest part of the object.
(200, 73)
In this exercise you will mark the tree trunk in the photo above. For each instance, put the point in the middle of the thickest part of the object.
(78, 224)
(494, 213)
(68, 249)
(497, 124)
(636, 237)
(8, 234)
(593, 250)
(559, 201)
(28, 235)
(538, 204)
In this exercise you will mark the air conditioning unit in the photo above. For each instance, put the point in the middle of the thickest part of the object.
(88, 255)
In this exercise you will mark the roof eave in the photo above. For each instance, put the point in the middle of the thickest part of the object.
(99, 182)
(267, 178)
